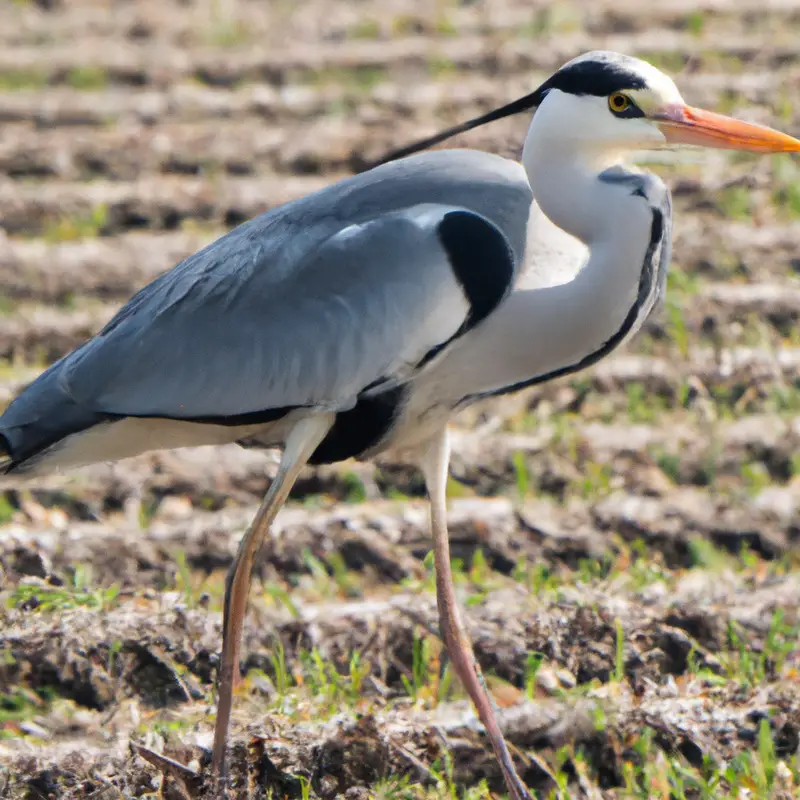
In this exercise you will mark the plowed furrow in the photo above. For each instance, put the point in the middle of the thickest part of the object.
(158, 202)
(262, 130)
(394, 542)
(157, 63)
(128, 152)
(64, 106)
(231, 24)
(110, 268)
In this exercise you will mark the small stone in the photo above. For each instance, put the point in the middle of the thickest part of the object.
(669, 688)
(174, 509)
(32, 729)
(553, 681)
(783, 776)
(566, 679)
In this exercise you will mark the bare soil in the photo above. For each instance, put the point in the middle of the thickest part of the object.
(632, 532)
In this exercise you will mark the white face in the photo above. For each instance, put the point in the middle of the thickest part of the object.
(605, 124)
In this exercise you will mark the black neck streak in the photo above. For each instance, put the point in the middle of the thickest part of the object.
(650, 283)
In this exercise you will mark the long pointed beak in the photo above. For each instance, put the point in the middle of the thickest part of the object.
(686, 125)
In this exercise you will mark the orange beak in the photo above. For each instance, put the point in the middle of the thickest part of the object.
(686, 125)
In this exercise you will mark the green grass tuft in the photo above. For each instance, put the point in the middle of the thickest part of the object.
(87, 78)
(76, 228)
(18, 80)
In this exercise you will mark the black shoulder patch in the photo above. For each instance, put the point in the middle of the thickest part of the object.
(481, 259)
(353, 432)
(600, 76)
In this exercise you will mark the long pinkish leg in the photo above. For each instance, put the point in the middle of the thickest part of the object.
(434, 465)
(300, 445)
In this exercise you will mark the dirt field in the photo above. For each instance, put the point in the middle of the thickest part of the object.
(627, 540)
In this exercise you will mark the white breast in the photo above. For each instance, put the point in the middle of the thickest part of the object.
(552, 256)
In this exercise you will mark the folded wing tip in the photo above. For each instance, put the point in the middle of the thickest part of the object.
(5, 455)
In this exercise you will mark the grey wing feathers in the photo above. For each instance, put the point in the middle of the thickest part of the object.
(365, 304)
(334, 293)
(41, 415)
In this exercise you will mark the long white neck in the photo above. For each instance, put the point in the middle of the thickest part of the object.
(541, 331)
(564, 177)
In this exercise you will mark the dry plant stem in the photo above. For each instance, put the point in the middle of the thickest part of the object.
(189, 782)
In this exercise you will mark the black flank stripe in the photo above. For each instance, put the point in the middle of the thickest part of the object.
(353, 432)
(247, 418)
(361, 428)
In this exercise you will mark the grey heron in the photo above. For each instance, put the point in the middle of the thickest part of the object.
(360, 318)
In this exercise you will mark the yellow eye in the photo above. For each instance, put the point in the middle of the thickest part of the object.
(618, 102)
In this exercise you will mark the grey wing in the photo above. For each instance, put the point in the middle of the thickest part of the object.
(366, 305)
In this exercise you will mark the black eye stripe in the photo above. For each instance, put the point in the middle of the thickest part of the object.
(600, 78)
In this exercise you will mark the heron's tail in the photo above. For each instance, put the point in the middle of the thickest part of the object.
(39, 418)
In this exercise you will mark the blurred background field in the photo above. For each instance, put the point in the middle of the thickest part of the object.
(627, 540)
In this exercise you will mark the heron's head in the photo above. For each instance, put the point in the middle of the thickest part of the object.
(608, 103)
